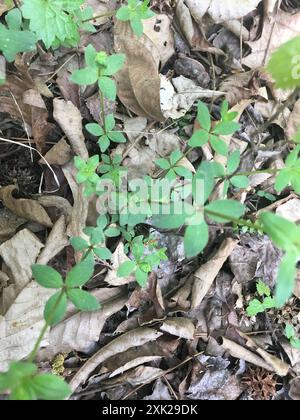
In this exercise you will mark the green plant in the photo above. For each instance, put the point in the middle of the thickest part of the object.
(259, 306)
(146, 258)
(290, 334)
(135, 12)
(174, 166)
(106, 134)
(290, 175)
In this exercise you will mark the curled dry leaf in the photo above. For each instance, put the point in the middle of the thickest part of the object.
(180, 327)
(121, 344)
(70, 120)
(118, 258)
(205, 276)
(221, 11)
(60, 203)
(138, 81)
(81, 330)
(23, 207)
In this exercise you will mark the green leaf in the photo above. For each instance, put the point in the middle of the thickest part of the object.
(175, 157)
(199, 138)
(47, 277)
(56, 308)
(80, 274)
(163, 163)
(295, 342)
(108, 87)
(23, 392)
(112, 232)
(94, 129)
(103, 253)
(114, 64)
(269, 303)
(285, 234)
(255, 307)
(123, 13)
(284, 65)
(286, 278)
(85, 77)
(90, 54)
(203, 116)
(240, 181)
(195, 239)
(226, 128)
(14, 41)
(141, 277)
(126, 268)
(219, 145)
(233, 163)
(203, 183)
(289, 331)
(79, 244)
(104, 143)
(263, 289)
(83, 300)
(50, 387)
(137, 26)
(117, 137)
(223, 211)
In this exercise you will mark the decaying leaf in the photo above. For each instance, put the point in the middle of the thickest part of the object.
(81, 330)
(205, 276)
(121, 344)
(180, 327)
(118, 258)
(59, 154)
(56, 242)
(9, 223)
(290, 210)
(23, 207)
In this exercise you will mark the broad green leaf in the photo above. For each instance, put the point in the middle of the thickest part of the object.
(175, 157)
(141, 277)
(203, 116)
(263, 289)
(117, 137)
(168, 219)
(195, 239)
(137, 26)
(103, 253)
(23, 392)
(233, 163)
(269, 303)
(50, 387)
(285, 234)
(13, 42)
(56, 308)
(255, 307)
(240, 181)
(85, 77)
(225, 128)
(163, 163)
(80, 274)
(286, 278)
(123, 13)
(94, 129)
(284, 65)
(83, 300)
(289, 331)
(79, 244)
(199, 138)
(219, 145)
(126, 268)
(224, 211)
(114, 64)
(90, 54)
(203, 183)
(108, 87)
(112, 232)
(47, 277)
(295, 342)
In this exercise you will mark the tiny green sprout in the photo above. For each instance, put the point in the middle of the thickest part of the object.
(290, 175)
(106, 134)
(212, 135)
(135, 12)
(87, 173)
(99, 68)
(111, 168)
(146, 258)
(266, 195)
(70, 289)
(290, 334)
(259, 306)
(174, 166)
(24, 383)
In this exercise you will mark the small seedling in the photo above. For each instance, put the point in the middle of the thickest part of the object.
(290, 334)
(259, 306)
(105, 137)
(290, 175)
(174, 166)
(146, 258)
(135, 12)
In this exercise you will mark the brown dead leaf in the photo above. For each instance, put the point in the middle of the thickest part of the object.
(276, 32)
(241, 86)
(23, 207)
(205, 276)
(56, 242)
(180, 327)
(118, 258)
(138, 81)
(121, 344)
(59, 154)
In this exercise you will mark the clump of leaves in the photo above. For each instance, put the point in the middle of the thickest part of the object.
(87, 172)
(259, 306)
(135, 12)
(99, 68)
(174, 166)
(57, 22)
(291, 335)
(208, 134)
(286, 235)
(290, 175)
(70, 289)
(107, 133)
(13, 38)
(146, 258)
(24, 383)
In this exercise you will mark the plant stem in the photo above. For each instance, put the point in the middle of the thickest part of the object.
(110, 13)
(44, 330)
(241, 222)
(102, 111)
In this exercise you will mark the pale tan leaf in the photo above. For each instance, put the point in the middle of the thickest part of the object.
(9, 223)
(23, 207)
(205, 276)
(180, 327)
(290, 210)
(56, 242)
(59, 203)
(293, 124)
(80, 330)
(121, 344)
(59, 154)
